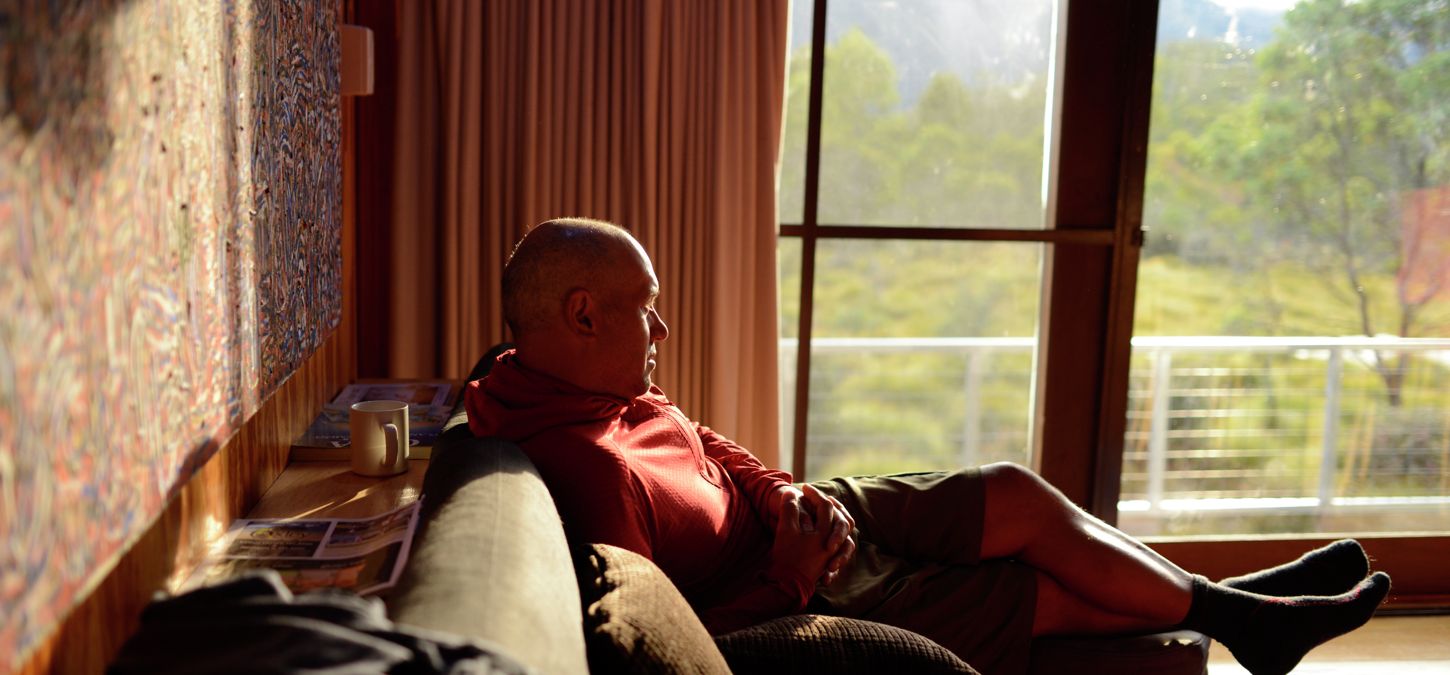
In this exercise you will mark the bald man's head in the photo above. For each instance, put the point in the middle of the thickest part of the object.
(580, 297)
(554, 258)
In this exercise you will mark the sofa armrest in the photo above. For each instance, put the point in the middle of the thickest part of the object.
(491, 561)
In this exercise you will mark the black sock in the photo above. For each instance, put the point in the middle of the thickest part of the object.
(1330, 570)
(1269, 635)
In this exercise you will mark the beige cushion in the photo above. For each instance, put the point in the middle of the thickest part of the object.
(491, 561)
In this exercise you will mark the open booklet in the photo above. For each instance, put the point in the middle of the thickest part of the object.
(365, 555)
(429, 404)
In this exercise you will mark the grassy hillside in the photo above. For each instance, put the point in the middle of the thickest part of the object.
(1177, 298)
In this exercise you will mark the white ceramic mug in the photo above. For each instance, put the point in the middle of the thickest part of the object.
(379, 437)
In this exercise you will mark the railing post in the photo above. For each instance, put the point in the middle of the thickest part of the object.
(1158, 431)
(786, 457)
(1329, 455)
(972, 427)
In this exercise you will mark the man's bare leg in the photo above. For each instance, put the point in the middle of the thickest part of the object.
(1060, 612)
(1102, 580)
(1030, 520)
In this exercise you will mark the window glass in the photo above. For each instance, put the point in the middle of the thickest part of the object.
(932, 114)
(1291, 358)
(921, 355)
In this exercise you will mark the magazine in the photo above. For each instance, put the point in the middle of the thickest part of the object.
(365, 555)
(429, 404)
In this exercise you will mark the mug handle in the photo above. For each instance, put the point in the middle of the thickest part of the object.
(391, 440)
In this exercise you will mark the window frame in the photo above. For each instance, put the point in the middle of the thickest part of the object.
(1091, 246)
(1083, 239)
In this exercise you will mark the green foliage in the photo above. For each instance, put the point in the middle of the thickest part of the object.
(1313, 159)
(1177, 296)
(1195, 83)
(957, 156)
(898, 288)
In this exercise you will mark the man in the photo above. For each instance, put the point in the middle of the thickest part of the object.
(980, 560)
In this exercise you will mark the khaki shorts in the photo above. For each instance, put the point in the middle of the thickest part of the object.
(918, 566)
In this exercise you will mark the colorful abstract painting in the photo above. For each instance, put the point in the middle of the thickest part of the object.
(170, 219)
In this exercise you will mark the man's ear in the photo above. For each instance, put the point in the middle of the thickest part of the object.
(581, 312)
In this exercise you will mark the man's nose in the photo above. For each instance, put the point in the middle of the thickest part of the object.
(658, 331)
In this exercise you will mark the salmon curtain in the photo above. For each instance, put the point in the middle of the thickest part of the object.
(663, 116)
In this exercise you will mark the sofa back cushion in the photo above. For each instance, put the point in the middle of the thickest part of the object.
(490, 561)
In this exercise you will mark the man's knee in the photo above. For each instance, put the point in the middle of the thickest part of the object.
(1012, 479)
(1016, 492)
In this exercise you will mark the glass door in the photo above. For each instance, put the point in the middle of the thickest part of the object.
(1290, 369)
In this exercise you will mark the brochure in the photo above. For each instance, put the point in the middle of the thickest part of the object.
(429, 404)
(365, 555)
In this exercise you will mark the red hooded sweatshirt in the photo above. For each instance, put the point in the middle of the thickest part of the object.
(640, 475)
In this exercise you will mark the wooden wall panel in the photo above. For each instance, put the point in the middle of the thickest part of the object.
(223, 490)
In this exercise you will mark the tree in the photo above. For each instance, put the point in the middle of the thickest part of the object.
(1348, 118)
(959, 155)
(859, 101)
(1195, 82)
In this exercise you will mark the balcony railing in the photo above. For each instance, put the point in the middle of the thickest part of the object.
(1215, 424)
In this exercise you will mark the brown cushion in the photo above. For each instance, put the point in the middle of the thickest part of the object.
(831, 644)
(635, 620)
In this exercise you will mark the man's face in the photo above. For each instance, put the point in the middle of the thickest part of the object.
(631, 326)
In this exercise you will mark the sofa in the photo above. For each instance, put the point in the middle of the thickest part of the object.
(491, 563)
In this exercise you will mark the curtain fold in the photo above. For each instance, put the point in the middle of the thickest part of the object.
(662, 116)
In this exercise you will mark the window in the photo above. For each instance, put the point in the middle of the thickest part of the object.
(1291, 351)
(933, 125)
(946, 300)
(911, 369)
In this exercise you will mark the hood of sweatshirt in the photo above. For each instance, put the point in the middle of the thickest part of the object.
(515, 403)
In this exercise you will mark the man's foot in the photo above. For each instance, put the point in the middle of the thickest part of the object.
(1329, 570)
(1269, 635)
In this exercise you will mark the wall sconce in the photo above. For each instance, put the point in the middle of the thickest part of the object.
(356, 68)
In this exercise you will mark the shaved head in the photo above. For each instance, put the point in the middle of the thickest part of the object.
(554, 258)
(579, 296)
